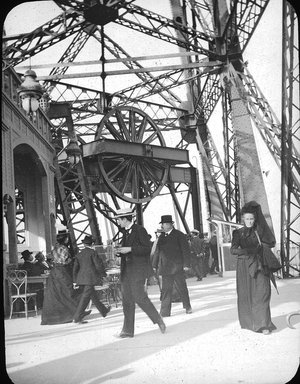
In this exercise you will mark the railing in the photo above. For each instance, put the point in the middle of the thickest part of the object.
(227, 262)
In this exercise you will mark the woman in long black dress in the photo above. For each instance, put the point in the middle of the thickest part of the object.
(60, 299)
(253, 279)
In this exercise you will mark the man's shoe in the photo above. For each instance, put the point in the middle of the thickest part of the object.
(162, 326)
(79, 321)
(86, 313)
(162, 315)
(188, 311)
(107, 311)
(123, 335)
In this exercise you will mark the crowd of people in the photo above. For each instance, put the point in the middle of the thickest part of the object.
(71, 280)
(202, 250)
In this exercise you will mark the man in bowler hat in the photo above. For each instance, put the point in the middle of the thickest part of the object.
(28, 262)
(135, 269)
(88, 270)
(174, 255)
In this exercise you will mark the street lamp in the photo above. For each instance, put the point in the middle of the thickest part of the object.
(73, 151)
(30, 91)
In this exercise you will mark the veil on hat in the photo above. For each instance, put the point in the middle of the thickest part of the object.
(264, 231)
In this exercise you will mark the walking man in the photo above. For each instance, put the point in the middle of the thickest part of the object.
(213, 243)
(174, 254)
(135, 269)
(88, 270)
(205, 250)
(196, 256)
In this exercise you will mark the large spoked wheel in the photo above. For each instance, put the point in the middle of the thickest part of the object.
(132, 178)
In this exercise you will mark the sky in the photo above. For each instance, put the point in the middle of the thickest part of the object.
(264, 62)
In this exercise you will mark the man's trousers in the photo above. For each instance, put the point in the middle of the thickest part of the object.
(166, 294)
(88, 294)
(134, 292)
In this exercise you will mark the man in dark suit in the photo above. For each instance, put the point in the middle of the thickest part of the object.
(173, 255)
(196, 255)
(28, 262)
(87, 272)
(135, 269)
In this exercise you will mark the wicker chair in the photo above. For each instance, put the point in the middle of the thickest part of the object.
(17, 284)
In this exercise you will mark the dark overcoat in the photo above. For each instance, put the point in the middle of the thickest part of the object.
(137, 262)
(173, 253)
(88, 268)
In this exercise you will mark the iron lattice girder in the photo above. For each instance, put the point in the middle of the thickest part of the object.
(290, 138)
(171, 79)
(68, 23)
(72, 51)
(165, 29)
(43, 37)
(126, 148)
(232, 185)
(218, 207)
(266, 121)
(47, 27)
(118, 52)
(85, 102)
(209, 96)
(243, 20)
(85, 5)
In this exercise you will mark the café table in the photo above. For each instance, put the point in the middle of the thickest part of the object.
(38, 279)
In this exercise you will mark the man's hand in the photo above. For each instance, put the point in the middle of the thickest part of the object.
(75, 286)
(124, 250)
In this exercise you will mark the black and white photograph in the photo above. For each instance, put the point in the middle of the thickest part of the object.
(150, 192)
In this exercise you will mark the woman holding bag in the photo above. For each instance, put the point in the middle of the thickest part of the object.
(253, 277)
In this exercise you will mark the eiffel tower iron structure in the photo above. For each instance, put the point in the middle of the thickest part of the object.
(134, 111)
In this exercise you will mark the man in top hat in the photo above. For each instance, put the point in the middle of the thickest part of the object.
(28, 262)
(135, 269)
(174, 254)
(88, 270)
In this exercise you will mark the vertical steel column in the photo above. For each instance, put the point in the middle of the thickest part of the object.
(85, 188)
(232, 195)
(60, 191)
(103, 103)
(196, 199)
(139, 214)
(290, 162)
(284, 171)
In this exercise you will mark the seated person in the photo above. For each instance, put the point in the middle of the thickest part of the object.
(31, 269)
(60, 299)
(40, 266)
(28, 262)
